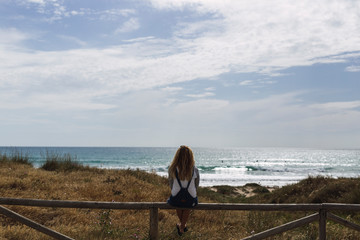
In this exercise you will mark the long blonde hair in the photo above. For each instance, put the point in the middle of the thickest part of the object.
(184, 162)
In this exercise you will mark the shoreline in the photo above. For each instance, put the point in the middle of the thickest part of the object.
(219, 166)
(218, 179)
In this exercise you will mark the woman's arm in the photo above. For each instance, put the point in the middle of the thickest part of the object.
(197, 180)
(171, 180)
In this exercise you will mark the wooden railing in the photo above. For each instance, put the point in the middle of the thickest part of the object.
(321, 215)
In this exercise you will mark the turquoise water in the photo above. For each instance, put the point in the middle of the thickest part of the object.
(218, 166)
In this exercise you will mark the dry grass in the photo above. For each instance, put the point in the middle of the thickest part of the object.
(90, 184)
(24, 181)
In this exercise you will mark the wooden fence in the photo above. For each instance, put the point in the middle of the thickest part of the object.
(321, 215)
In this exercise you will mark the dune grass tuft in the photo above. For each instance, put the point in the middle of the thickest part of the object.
(16, 157)
(62, 162)
(316, 189)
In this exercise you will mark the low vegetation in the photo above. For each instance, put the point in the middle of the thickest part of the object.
(317, 189)
(15, 158)
(61, 177)
(62, 163)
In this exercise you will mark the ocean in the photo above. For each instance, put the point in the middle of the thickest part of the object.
(217, 166)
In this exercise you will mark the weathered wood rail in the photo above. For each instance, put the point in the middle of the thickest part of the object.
(321, 215)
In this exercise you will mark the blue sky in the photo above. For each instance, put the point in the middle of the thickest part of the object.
(163, 73)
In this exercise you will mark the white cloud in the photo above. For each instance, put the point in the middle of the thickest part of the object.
(12, 37)
(164, 4)
(201, 95)
(74, 40)
(336, 106)
(200, 107)
(37, 1)
(113, 14)
(210, 89)
(246, 82)
(229, 36)
(353, 68)
(52, 102)
(259, 37)
(198, 29)
(270, 35)
(141, 39)
(56, 10)
(130, 25)
(172, 89)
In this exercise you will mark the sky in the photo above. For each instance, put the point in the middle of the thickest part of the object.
(205, 73)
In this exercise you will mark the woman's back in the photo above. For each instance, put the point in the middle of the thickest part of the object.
(194, 184)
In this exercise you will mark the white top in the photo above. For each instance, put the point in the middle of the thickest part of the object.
(192, 188)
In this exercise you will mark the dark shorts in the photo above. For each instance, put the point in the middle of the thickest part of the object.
(183, 205)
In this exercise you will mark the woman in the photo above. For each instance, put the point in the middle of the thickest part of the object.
(184, 180)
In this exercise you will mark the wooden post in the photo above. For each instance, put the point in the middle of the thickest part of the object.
(284, 227)
(32, 224)
(322, 224)
(342, 221)
(154, 223)
(154, 207)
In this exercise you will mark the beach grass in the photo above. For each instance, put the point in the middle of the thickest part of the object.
(62, 162)
(19, 179)
(16, 158)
